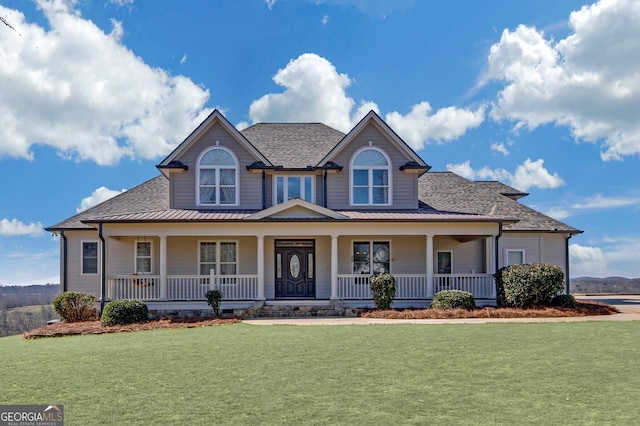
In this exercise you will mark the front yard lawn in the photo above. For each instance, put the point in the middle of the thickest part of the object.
(551, 373)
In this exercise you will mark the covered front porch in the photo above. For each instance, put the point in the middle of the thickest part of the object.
(297, 262)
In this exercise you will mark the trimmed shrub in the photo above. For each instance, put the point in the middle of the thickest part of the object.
(74, 306)
(123, 312)
(383, 287)
(564, 301)
(522, 286)
(214, 297)
(453, 299)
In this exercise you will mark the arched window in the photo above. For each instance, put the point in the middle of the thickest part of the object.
(217, 177)
(370, 177)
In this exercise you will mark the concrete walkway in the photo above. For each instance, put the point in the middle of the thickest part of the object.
(629, 306)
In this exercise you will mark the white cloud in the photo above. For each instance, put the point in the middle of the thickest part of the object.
(587, 261)
(183, 59)
(121, 2)
(270, 3)
(420, 125)
(608, 257)
(14, 227)
(600, 202)
(325, 19)
(71, 78)
(530, 174)
(98, 196)
(587, 81)
(314, 91)
(558, 213)
(499, 147)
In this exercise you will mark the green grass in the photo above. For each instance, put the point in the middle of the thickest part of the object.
(553, 373)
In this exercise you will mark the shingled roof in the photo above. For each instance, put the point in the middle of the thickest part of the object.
(446, 191)
(278, 142)
(152, 195)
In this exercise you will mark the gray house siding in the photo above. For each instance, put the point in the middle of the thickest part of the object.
(404, 184)
(183, 185)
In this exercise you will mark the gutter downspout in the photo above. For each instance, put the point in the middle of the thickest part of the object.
(566, 266)
(64, 262)
(324, 188)
(103, 257)
(264, 189)
(498, 257)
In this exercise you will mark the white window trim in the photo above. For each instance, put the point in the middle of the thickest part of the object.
(218, 253)
(389, 169)
(135, 256)
(436, 263)
(217, 168)
(285, 187)
(371, 241)
(82, 257)
(506, 256)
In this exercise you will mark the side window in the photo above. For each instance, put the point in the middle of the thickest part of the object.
(89, 257)
(371, 257)
(370, 178)
(143, 259)
(217, 179)
(515, 257)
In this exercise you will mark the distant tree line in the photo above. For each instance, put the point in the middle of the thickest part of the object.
(24, 308)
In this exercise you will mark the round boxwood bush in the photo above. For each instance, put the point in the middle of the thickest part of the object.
(383, 287)
(123, 312)
(523, 286)
(75, 306)
(564, 301)
(453, 299)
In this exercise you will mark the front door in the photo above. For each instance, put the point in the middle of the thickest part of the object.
(295, 269)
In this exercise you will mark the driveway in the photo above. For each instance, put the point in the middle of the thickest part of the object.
(626, 303)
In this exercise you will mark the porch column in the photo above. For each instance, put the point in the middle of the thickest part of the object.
(429, 261)
(334, 267)
(163, 267)
(490, 261)
(260, 255)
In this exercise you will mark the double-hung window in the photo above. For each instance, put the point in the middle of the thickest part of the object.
(89, 257)
(143, 257)
(217, 177)
(288, 187)
(371, 257)
(370, 177)
(221, 256)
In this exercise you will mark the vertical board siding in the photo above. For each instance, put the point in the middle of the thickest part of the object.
(404, 184)
(183, 185)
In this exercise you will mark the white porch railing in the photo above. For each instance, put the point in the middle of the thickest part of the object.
(482, 286)
(182, 287)
(143, 287)
(415, 286)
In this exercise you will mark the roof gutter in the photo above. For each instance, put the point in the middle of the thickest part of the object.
(103, 257)
(498, 246)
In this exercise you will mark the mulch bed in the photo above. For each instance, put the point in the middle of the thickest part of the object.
(582, 309)
(93, 327)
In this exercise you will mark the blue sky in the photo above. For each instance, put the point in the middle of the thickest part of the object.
(542, 95)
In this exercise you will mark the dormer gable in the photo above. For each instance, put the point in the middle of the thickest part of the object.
(413, 160)
(172, 161)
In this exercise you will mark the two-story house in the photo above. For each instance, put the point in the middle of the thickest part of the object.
(301, 213)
